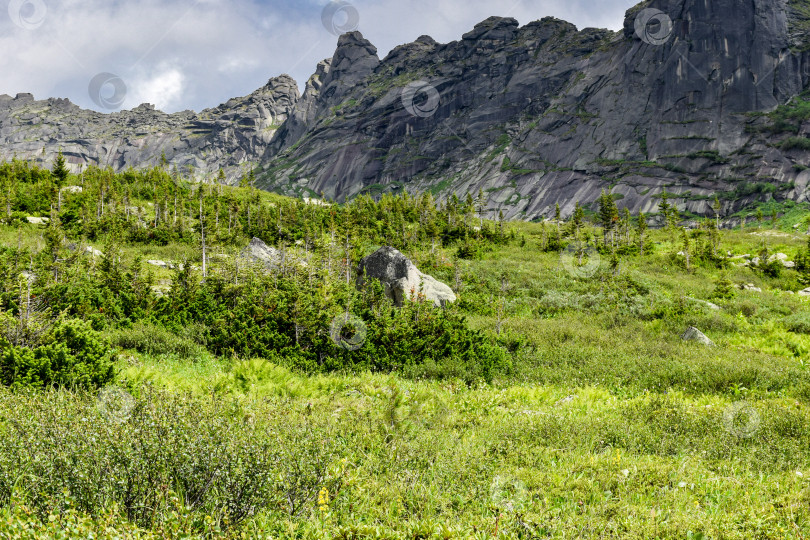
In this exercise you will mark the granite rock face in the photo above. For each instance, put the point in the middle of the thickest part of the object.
(232, 137)
(531, 116)
(545, 113)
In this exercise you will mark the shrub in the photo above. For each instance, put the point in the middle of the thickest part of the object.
(724, 288)
(156, 340)
(798, 323)
(213, 458)
(72, 354)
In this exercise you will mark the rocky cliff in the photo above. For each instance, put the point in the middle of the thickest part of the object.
(233, 136)
(697, 97)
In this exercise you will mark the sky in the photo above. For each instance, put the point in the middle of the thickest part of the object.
(109, 55)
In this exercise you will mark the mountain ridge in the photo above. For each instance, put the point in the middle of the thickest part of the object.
(531, 116)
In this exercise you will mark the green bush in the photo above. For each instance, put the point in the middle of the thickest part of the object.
(72, 354)
(217, 458)
(156, 340)
(798, 322)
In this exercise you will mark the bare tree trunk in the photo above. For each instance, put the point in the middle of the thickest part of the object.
(202, 233)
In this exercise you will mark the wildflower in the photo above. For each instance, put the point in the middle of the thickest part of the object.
(323, 499)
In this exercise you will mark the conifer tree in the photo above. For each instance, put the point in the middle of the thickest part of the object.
(579, 216)
(60, 174)
(664, 207)
(608, 214)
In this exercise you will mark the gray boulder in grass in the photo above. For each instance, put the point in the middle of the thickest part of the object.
(400, 276)
(693, 334)
(259, 252)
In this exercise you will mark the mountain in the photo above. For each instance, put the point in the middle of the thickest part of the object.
(700, 98)
(233, 136)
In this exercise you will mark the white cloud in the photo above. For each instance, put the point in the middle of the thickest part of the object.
(181, 54)
(164, 90)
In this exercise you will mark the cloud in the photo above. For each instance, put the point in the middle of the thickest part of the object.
(164, 90)
(194, 54)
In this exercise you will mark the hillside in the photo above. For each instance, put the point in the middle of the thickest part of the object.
(149, 391)
(702, 99)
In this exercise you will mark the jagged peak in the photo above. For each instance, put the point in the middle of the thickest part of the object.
(426, 40)
(354, 58)
(355, 41)
(315, 80)
(422, 45)
(281, 80)
(493, 28)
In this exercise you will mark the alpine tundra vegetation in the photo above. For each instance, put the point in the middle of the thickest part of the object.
(565, 295)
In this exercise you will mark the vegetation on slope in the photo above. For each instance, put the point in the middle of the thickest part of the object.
(555, 399)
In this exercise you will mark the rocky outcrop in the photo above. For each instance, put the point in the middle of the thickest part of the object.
(260, 253)
(545, 114)
(531, 116)
(232, 137)
(401, 279)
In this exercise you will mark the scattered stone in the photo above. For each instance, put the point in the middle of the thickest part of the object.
(316, 202)
(72, 189)
(94, 252)
(161, 264)
(693, 334)
(706, 303)
(750, 287)
(563, 401)
(401, 278)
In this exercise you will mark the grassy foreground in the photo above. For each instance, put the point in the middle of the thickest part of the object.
(601, 423)
(609, 426)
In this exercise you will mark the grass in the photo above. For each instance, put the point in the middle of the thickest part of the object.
(609, 425)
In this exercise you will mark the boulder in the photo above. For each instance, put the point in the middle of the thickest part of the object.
(805, 292)
(260, 253)
(782, 258)
(38, 220)
(94, 252)
(693, 334)
(750, 287)
(401, 278)
(161, 264)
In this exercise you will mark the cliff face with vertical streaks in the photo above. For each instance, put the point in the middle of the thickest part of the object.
(683, 98)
